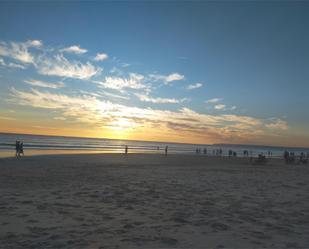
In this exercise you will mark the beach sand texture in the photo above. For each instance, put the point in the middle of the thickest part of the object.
(152, 201)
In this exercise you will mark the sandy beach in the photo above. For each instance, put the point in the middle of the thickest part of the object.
(152, 201)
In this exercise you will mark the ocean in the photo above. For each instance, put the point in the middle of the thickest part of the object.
(41, 144)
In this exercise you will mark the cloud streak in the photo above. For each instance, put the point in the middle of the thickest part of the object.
(44, 84)
(101, 57)
(102, 113)
(167, 79)
(147, 98)
(194, 86)
(75, 49)
(62, 67)
(134, 81)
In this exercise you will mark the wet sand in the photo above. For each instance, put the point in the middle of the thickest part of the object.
(152, 201)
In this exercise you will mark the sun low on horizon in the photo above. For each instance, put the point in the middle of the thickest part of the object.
(188, 72)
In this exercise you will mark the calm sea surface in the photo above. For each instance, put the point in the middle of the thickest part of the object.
(38, 144)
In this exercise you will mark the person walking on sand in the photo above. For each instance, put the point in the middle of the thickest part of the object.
(126, 149)
(205, 151)
(166, 148)
(21, 149)
(17, 146)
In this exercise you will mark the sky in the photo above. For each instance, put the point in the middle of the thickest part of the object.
(191, 72)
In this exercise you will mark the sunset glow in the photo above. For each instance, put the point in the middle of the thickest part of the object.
(126, 82)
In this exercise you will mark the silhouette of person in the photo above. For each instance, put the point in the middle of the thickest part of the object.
(21, 149)
(126, 149)
(205, 151)
(166, 148)
(17, 146)
(230, 153)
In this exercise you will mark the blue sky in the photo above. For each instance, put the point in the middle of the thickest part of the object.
(245, 60)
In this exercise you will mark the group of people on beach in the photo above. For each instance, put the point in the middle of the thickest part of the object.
(126, 149)
(291, 158)
(19, 147)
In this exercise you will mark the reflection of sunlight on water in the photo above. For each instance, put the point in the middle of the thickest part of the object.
(11, 153)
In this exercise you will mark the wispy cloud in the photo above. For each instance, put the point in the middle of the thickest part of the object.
(219, 107)
(44, 84)
(75, 49)
(167, 78)
(134, 81)
(277, 124)
(11, 64)
(212, 101)
(102, 113)
(18, 50)
(147, 98)
(194, 86)
(101, 57)
(60, 66)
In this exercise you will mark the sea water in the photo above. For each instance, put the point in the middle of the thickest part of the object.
(41, 144)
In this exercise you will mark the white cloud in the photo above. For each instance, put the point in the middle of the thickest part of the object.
(62, 67)
(17, 51)
(147, 98)
(220, 107)
(101, 57)
(167, 78)
(35, 43)
(102, 113)
(134, 81)
(277, 124)
(75, 49)
(194, 86)
(44, 84)
(11, 64)
(15, 65)
(214, 100)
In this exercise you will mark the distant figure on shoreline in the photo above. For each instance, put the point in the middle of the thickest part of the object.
(126, 149)
(205, 151)
(230, 153)
(166, 148)
(19, 148)
(246, 153)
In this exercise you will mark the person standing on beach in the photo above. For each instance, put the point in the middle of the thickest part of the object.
(17, 144)
(166, 148)
(21, 149)
(126, 149)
